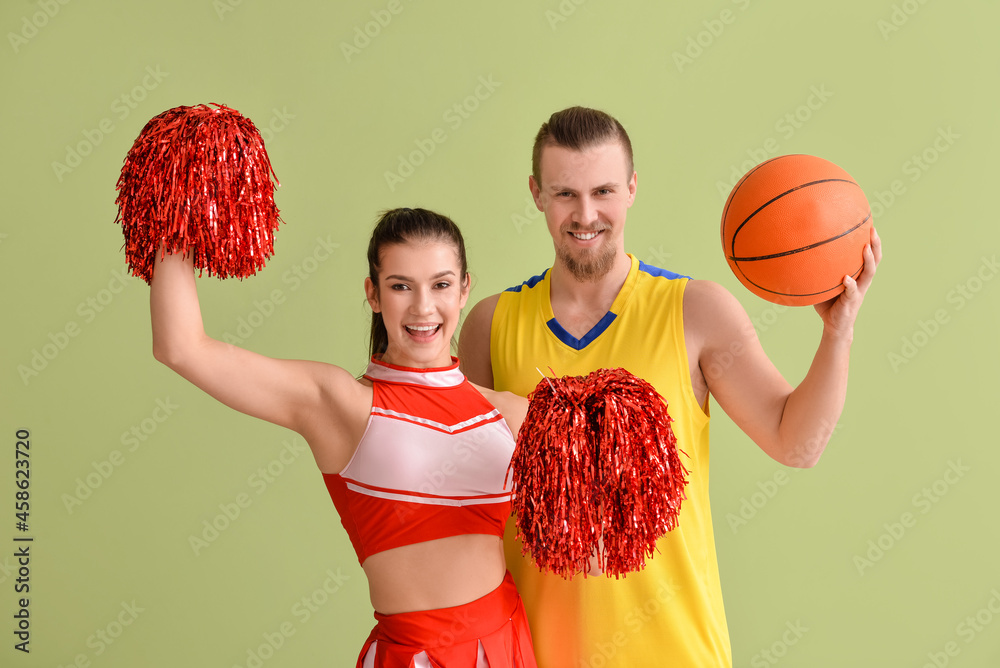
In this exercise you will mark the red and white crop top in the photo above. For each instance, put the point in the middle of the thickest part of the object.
(431, 463)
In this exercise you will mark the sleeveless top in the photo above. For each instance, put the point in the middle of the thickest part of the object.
(432, 462)
(672, 611)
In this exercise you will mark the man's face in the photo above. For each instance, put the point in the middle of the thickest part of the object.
(585, 196)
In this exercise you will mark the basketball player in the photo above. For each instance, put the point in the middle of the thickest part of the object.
(598, 306)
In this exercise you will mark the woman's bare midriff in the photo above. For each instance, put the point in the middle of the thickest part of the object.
(439, 573)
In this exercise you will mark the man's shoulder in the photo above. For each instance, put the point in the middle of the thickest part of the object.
(659, 272)
(710, 307)
(481, 315)
(474, 342)
(707, 293)
(654, 285)
(482, 312)
(529, 283)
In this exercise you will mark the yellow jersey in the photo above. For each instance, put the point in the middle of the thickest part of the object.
(671, 613)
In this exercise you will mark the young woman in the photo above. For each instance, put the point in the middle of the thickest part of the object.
(414, 456)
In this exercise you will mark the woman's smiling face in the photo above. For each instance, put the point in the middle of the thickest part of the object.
(420, 294)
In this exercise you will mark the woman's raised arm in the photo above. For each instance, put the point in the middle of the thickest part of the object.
(321, 401)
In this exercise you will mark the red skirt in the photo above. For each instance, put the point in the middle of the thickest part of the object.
(492, 629)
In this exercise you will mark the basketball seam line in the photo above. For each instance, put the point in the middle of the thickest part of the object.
(732, 244)
(804, 248)
(857, 272)
(739, 184)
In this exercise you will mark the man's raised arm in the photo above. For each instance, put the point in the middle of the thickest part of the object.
(792, 425)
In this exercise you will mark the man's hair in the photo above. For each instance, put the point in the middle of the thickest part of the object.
(579, 128)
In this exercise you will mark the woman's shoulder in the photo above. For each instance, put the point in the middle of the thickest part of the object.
(341, 381)
(513, 407)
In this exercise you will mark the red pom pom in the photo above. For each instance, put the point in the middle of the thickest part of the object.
(198, 180)
(596, 471)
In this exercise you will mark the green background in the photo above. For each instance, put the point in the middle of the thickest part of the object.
(335, 123)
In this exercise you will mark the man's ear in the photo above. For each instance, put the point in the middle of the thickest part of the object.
(536, 192)
(371, 294)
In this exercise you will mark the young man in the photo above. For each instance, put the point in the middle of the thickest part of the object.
(600, 307)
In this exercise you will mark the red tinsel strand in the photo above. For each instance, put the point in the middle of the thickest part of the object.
(198, 180)
(596, 472)
(556, 517)
(641, 475)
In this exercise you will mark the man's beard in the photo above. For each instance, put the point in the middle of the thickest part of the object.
(592, 266)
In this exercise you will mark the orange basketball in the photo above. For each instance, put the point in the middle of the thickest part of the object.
(793, 227)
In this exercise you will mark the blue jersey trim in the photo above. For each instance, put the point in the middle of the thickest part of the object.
(530, 283)
(580, 344)
(656, 271)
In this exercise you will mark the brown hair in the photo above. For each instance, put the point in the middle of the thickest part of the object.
(579, 128)
(399, 226)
